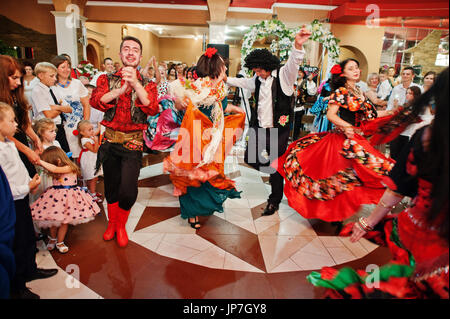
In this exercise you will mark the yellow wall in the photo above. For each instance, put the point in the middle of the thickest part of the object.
(110, 36)
(367, 40)
(179, 49)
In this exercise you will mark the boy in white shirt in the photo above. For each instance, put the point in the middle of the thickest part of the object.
(47, 103)
(21, 185)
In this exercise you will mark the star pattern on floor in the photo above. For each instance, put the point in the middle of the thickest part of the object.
(239, 238)
(236, 254)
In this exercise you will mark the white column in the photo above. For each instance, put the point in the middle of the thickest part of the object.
(216, 32)
(66, 34)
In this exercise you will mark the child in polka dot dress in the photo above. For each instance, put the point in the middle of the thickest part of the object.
(63, 203)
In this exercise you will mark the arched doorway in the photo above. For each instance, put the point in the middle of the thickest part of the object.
(92, 56)
(348, 51)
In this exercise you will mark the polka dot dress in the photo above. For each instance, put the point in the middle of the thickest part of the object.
(64, 203)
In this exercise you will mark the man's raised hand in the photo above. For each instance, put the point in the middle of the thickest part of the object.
(301, 37)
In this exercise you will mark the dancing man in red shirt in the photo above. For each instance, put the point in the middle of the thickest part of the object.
(127, 99)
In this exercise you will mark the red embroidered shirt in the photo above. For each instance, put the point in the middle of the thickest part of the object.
(122, 118)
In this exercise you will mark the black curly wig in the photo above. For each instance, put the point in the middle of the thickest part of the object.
(262, 58)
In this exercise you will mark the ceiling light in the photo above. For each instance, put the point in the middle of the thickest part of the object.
(160, 30)
(243, 27)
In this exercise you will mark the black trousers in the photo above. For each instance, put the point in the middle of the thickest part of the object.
(396, 146)
(121, 168)
(61, 138)
(264, 146)
(24, 246)
(297, 124)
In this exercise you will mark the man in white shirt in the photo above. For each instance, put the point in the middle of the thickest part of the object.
(398, 98)
(399, 92)
(271, 118)
(108, 65)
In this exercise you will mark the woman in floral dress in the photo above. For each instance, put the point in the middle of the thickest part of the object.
(329, 175)
(418, 236)
(196, 165)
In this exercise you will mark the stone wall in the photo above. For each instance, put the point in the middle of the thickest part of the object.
(425, 52)
(14, 34)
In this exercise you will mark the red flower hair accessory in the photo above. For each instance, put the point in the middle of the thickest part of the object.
(210, 52)
(194, 75)
(75, 132)
(336, 69)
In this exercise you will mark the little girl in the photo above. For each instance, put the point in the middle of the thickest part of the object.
(88, 156)
(45, 129)
(64, 203)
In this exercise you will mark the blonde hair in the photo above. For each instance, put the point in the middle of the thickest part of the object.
(373, 75)
(42, 125)
(80, 126)
(56, 156)
(43, 67)
(3, 109)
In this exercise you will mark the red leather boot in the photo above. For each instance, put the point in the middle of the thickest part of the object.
(112, 221)
(121, 233)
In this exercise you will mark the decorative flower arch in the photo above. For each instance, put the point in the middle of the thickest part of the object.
(284, 37)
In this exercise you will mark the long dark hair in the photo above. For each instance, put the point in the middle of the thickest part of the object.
(15, 98)
(339, 80)
(436, 164)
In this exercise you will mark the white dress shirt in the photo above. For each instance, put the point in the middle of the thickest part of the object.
(399, 94)
(362, 86)
(311, 87)
(384, 89)
(288, 76)
(14, 169)
(41, 100)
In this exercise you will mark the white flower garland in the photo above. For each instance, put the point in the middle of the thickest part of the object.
(284, 38)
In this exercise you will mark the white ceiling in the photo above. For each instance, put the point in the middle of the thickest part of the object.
(170, 31)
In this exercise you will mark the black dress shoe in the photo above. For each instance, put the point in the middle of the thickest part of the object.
(42, 274)
(270, 210)
(24, 294)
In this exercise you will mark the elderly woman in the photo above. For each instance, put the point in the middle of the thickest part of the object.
(373, 80)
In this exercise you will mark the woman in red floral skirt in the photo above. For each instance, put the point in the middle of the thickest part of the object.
(418, 236)
(329, 175)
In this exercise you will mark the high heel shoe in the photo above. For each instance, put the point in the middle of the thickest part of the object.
(195, 224)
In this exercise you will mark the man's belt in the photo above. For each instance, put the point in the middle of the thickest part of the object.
(121, 137)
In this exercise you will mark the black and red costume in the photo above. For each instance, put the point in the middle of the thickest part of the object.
(120, 154)
(419, 267)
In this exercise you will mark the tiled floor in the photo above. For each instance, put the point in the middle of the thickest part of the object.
(166, 258)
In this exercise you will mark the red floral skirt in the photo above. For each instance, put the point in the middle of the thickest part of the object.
(418, 269)
(329, 176)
